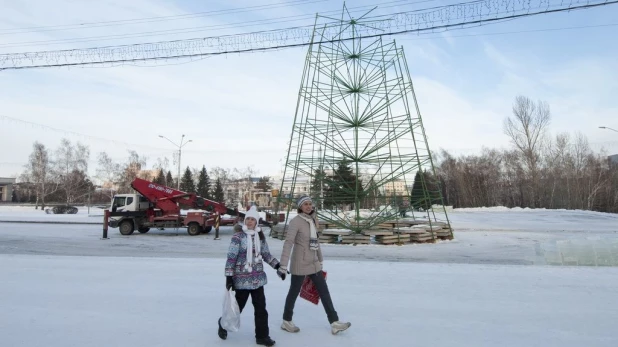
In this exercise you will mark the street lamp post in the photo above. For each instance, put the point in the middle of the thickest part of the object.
(179, 153)
(608, 128)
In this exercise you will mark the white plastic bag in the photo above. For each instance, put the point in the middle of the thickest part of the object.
(230, 319)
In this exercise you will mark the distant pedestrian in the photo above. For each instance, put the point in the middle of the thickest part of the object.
(302, 243)
(402, 210)
(244, 271)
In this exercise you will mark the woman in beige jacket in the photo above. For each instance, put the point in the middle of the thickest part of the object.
(306, 260)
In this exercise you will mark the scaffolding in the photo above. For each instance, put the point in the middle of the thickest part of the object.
(358, 136)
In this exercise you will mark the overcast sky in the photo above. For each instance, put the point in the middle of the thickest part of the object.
(238, 109)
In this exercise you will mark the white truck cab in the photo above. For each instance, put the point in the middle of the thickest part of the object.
(129, 202)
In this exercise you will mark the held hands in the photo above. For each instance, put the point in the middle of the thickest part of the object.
(229, 283)
(281, 271)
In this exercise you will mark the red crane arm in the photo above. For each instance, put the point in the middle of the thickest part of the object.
(166, 198)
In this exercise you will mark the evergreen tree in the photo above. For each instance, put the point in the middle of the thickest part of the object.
(318, 184)
(371, 194)
(425, 191)
(186, 182)
(343, 185)
(418, 198)
(169, 180)
(218, 192)
(203, 184)
(433, 188)
(160, 178)
(264, 184)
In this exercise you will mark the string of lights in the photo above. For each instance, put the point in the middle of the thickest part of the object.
(449, 17)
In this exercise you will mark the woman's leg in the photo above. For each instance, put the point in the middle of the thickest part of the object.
(261, 315)
(320, 284)
(295, 284)
(242, 295)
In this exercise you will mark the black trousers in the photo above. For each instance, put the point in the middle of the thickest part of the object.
(320, 285)
(259, 307)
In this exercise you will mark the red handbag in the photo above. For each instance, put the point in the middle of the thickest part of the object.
(309, 292)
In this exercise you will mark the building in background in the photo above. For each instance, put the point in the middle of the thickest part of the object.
(6, 188)
(397, 187)
(301, 186)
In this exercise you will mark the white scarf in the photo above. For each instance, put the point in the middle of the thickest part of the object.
(252, 257)
(313, 239)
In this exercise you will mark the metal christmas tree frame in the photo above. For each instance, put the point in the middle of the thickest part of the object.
(357, 105)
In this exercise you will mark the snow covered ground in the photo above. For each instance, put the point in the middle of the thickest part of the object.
(61, 285)
(118, 301)
(482, 236)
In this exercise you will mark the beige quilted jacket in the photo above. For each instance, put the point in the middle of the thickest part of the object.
(303, 260)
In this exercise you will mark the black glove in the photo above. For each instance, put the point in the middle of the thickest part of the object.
(229, 283)
(280, 271)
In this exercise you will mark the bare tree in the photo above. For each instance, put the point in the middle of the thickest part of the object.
(39, 172)
(526, 129)
(130, 171)
(162, 164)
(108, 172)
(556, 157)
(244, 183)
(71, 166)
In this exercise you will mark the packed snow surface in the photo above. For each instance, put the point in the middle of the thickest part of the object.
(511, 277)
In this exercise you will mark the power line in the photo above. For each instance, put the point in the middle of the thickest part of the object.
(154, 19)
(155, 32)
(513, 32)
(454, 17)
(74, 133)
(243, 24)
(307, 30)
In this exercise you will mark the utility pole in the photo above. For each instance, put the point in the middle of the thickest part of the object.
(179, 153)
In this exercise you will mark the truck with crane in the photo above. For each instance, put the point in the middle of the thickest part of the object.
(157, 206)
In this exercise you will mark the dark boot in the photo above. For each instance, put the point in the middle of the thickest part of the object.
(265, 341)
(222, 332)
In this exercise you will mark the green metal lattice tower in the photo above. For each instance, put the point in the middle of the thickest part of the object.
(358, 140)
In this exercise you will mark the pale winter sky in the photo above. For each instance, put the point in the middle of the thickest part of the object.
(239, 109)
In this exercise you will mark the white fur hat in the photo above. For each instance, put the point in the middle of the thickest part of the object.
(253, 213)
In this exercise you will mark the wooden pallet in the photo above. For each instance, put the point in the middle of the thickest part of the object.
(355, 239)
(328, 239)
(377, 232)
(389, 233)
(422, 237)
(393, 239)
(336, 232)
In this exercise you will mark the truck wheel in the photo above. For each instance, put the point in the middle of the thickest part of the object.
(143, 230)
(207, 229)
(126, 227)
(194, 229)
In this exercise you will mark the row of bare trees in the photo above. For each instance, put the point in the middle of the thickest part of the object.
(537, 172)
(60, 175)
